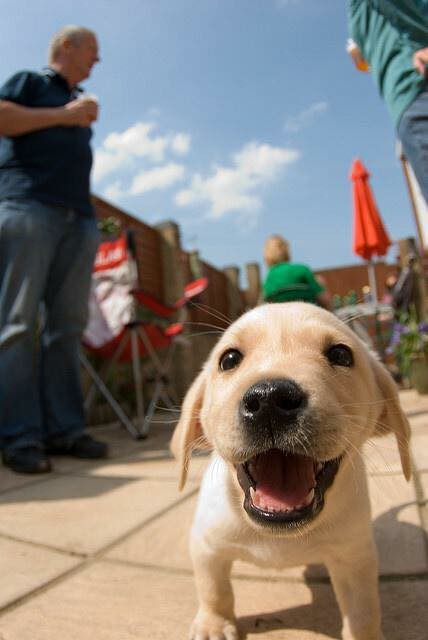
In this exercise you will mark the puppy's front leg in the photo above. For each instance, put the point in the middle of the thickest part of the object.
(355, 584)
(215, 618)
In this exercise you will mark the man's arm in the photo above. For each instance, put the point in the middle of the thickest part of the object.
(16, 120)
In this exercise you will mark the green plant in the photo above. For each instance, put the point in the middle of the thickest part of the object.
(109, 226)
(409, 341)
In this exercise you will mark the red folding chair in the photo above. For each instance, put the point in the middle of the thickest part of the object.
(116, 334)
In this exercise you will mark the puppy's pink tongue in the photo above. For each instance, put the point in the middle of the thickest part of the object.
(283, 481)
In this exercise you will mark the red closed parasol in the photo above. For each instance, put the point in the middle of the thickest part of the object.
(369, 237)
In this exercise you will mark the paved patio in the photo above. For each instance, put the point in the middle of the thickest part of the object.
(99, 551)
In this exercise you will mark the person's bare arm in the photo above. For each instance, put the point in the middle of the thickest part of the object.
(16, 120)
(420, 60)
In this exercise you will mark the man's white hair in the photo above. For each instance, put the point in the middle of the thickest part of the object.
(71, 32)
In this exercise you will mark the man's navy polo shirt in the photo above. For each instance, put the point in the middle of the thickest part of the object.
(51, 165)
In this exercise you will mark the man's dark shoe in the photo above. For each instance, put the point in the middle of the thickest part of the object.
(27, 460)
(83, 446)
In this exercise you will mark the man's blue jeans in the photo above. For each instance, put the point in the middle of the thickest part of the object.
(46, 258)
(413, 133)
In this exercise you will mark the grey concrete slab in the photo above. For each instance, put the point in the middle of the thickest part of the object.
(381, 455)
(397, 529)
(145, 467)
(419, 446)
(112, 602)
(154, 546)
(419, 424)
(83, 513)
(412, 402)
(25, 567)
(11, 480)
(397, 526)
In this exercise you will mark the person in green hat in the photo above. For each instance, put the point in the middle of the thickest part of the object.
(288, 281)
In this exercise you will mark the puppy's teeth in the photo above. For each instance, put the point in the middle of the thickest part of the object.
(309, 497)
(319, 467)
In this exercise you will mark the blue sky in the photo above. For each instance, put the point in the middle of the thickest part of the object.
(236, 118)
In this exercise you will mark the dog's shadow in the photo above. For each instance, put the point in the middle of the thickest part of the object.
(403, 597)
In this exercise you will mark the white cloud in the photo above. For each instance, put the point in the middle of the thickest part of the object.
(137, 141)
(305, 117)
(120, 150)
(157, 178)
(180, 143)
(106, 162)
(234, 188)
(113, 191)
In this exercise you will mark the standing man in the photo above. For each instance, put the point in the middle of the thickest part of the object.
(392, 36)
(48, 240)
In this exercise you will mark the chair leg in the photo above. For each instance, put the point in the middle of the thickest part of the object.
(109, 398)
(161, 368)
(138, 383)
(105, 371)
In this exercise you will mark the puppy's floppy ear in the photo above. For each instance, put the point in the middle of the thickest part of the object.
(391, 416)
(189, 428)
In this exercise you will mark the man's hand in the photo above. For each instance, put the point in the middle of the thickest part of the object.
(80, 112)
(420, 60)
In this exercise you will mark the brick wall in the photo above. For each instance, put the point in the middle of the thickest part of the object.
(341, 280)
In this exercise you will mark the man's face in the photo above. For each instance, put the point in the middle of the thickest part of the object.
(83, 56)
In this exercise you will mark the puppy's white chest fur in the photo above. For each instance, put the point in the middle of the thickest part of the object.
(220, 523)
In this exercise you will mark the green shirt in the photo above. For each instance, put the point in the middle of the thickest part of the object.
(286, 282)
(387, 33)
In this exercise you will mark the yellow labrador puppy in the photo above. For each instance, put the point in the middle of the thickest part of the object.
(286, 400)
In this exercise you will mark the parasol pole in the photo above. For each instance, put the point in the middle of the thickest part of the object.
(372, 280)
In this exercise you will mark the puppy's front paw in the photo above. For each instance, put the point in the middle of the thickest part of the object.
(210, 626)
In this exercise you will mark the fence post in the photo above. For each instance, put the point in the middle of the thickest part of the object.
(252, 294)
(234, 301)
(173, 286)
(172, 267)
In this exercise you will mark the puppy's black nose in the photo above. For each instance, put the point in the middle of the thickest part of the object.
(278, 398)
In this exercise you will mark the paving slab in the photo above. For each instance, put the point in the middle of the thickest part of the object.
(381, 455)
(423, 478)
(154, 546)
(144, 467)
(11, 480)
(419, 446)
(396, 526)
(107, 601)
(25, 567)
(413, 403)
(419, 424)
(82, 514)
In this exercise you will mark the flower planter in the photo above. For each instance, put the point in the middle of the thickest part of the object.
(418, 374)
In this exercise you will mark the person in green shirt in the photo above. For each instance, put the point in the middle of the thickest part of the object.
(288, 281)
(392, 36)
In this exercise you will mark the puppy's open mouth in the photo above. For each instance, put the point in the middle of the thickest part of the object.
(285, 488)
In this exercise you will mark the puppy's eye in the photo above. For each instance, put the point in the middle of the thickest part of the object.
(340, 354)
(230, 359)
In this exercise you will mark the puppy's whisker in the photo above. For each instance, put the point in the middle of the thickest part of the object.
(203, 333)
(204, 324)
(215, 313)
(210, 310)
